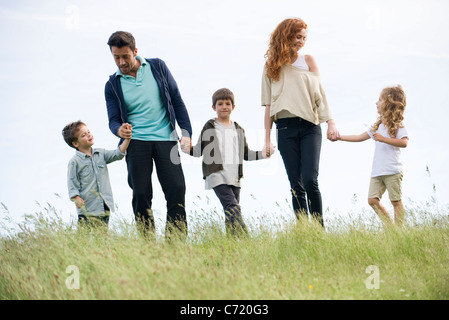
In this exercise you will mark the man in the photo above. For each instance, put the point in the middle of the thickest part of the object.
(144, 93)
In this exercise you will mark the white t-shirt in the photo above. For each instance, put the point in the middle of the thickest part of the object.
(387, 158)
(228, 143)
(301, 63)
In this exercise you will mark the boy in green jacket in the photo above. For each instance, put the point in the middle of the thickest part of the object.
(222, 143)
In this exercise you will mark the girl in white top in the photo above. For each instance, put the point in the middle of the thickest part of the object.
(390, 135)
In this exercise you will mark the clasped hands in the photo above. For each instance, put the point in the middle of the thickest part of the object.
(332, 132)
(125, 132)
(186, 146)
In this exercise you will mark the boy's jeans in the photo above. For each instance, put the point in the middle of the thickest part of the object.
(139, 159)
(95, 221)
(229, 197)
(299, 143)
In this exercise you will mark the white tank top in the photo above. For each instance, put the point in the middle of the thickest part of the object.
(301, 63)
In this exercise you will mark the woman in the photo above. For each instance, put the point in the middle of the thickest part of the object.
(294, 99)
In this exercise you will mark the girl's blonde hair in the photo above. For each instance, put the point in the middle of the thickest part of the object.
(280, 50)
(392, 109)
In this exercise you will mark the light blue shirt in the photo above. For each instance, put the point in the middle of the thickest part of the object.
(88, 177)
(146, 112)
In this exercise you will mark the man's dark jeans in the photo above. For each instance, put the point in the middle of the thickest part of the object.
(299, 143)
(139, 159)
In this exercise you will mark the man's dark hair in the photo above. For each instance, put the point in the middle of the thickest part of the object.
(122, 39)
(70, 131)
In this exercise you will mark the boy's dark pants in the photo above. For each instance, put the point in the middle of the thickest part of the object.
(139, 159)
(299, 143)
(95, 222)
(229, 197)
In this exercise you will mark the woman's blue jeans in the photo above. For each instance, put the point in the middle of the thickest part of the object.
(299, 143)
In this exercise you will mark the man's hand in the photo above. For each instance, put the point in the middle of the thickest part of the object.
(186, 144)
(125, 131)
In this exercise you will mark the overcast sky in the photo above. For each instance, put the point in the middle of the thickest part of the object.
(55, 64)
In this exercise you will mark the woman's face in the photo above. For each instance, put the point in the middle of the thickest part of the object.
(300, 40)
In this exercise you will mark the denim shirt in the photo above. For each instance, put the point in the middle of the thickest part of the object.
(88, 178)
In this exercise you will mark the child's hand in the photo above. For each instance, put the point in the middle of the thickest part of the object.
(378, 137)
(130, 129)
(268, 151)
(125, 131)
(78, 201)
(332, 132)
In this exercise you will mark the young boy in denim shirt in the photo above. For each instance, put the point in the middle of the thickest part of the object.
(88, 177)
(222, 143)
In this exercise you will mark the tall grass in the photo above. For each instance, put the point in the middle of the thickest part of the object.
(49, 259)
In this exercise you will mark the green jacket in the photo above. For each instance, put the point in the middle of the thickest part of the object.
(207, 147)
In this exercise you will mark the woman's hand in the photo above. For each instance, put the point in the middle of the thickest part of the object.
(332, 132)
(268, 149)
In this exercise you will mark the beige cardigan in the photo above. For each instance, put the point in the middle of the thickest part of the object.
(298, 93)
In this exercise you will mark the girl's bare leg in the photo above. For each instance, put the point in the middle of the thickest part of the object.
(380, 210)
(399, 212)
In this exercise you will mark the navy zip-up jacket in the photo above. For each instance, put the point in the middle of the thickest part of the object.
(170, 96)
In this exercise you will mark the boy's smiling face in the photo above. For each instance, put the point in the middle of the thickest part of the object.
(85, 139)
(223, 107)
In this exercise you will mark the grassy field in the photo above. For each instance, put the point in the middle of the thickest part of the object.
(303, 261)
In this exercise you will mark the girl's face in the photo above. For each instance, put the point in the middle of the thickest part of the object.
(379, 104)
(300, 40)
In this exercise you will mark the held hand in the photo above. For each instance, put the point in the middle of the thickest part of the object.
(125, 131)
(186, 144)
(332, 132)
(268, 151)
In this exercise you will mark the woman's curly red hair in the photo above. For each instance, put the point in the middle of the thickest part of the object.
(280, 50)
